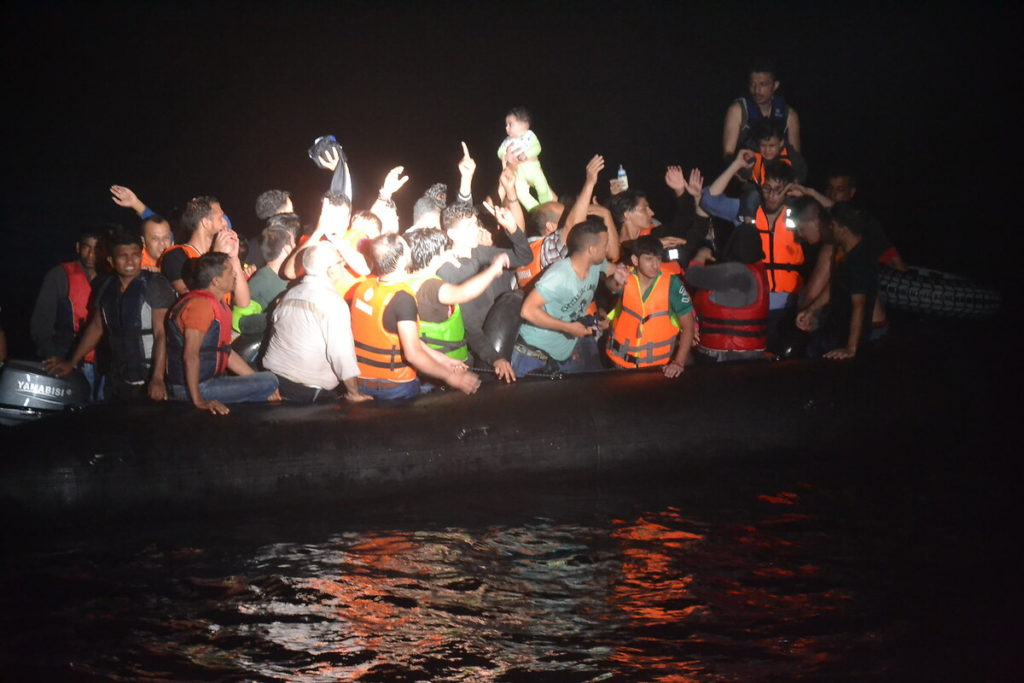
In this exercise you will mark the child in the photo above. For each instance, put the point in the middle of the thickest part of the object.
(522, 149)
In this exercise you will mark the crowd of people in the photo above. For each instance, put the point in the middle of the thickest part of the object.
(365, 306)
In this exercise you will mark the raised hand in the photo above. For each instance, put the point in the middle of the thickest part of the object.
(745, 158)
(467, 166)
(695, 184)
(507, 180)
(330, 158)
(226, 241)
(506, 219)
(676, 180)
(594, 166)
(122, 196)
(393, 182)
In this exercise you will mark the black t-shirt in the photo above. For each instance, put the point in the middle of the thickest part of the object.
(173, 264)
(401, 307)
(855, 274)
(429, 304)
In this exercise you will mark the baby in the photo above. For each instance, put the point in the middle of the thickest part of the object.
(522, 148)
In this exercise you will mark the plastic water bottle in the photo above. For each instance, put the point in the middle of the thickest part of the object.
(623, 178)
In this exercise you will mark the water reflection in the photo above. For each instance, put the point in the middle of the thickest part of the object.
(760, 591)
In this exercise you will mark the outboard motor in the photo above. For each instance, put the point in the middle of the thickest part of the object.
(28, 393)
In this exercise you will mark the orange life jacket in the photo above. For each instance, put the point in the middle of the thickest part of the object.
(147, 260)
(528, 273)
(643, 332)
(757, 172)
(783, 253)
(378, 352)
(76, 309)
(189, 250)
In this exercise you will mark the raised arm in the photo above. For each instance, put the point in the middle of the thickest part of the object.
(123, 196)
(793, 125)
(578, 213)
(467, 167)
(384, 207)
(226, 241)
(333, 223)
(744, 159)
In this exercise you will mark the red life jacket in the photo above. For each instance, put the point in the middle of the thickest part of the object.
(735, 329)
(79, 292)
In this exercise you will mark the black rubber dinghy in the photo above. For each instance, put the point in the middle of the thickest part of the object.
(935, 293)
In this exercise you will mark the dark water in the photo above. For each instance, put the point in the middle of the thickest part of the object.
(894, 567)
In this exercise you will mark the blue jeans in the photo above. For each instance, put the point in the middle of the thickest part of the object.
(390, 391)
(254, 388)
(585, 358)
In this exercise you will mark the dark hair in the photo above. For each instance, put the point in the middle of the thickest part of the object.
(542, 214)
(195, 211)
(338, 198)
(270, 203)
(520, 113)
(743, 246)
(432, 200)
(802, 207)
(155, 218)
(456, 212)
(850, 218)
(121, 238)
(92, 233)
(586, 234)
(207, 267)
(840, 172)
(777, 169)
(768, 128)
(384, 252)
(424, 245)
(647, 244)
(620, 204)
(763, 66)
(273, 242)
(285, 222)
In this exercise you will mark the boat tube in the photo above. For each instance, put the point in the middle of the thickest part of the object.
(935, 293)
(174, 457)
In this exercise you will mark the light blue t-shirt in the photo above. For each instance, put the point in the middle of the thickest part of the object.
(566, 297)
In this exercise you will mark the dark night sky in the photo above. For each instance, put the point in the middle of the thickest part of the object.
(183, 99)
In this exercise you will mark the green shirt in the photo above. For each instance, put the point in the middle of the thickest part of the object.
(566, 297)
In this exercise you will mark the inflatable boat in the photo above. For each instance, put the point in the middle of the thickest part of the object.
(173, 457)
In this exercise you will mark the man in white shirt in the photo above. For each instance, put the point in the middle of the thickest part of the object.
(311, 350)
